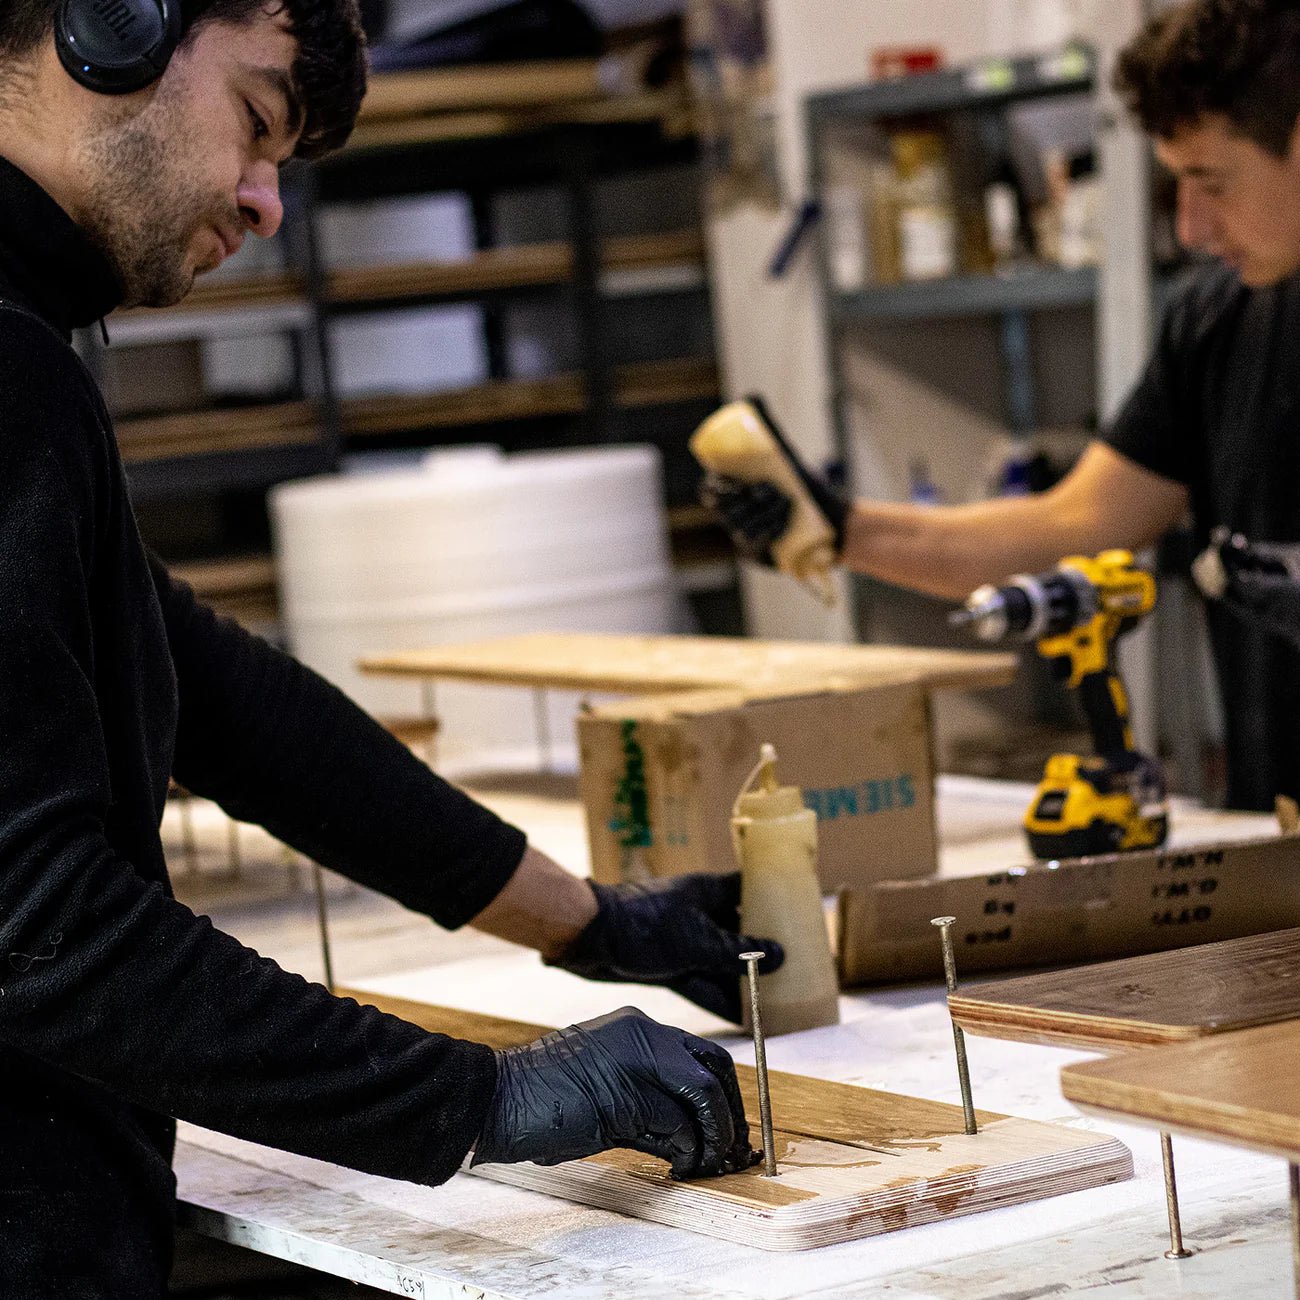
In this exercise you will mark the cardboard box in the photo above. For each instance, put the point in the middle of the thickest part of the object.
(1075, 910)
(659, 776)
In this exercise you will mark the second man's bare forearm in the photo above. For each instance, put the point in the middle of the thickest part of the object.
(948, 551)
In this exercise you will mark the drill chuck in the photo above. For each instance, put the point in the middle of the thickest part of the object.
(1026, 608)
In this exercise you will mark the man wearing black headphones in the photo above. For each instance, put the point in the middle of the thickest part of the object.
(140, 142)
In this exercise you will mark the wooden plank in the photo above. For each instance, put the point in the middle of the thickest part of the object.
(503, 85)
(853, 1162)
(235, 576)
(226, 292)
(645, 664)
(241, 428)
(508, 268)
(1075, 910)
(670, 107)
(642, 384)
(291, 424)
(1158, 998)
(1241, 1088)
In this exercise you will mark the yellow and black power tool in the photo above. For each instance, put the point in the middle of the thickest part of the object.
(1115, 800)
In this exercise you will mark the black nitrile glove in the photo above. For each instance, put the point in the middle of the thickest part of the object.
(757, 514)
(623, 1080)
(680, 933)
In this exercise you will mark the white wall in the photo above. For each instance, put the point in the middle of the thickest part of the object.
(770, 332)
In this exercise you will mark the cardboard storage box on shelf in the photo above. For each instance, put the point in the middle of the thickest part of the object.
(659, 775)
(1080, 909)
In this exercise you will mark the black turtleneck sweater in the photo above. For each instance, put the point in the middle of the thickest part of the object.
(112, 678)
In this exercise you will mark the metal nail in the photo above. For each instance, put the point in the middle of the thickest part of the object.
(751, 960)
(945, 924)
(1176, 1249)
(1293, 1174)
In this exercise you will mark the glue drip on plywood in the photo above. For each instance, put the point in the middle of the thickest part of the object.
(852, 1162)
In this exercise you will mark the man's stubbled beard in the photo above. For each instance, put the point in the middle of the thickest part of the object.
(142, 208)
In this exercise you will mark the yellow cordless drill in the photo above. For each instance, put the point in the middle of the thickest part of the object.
(1115, 800)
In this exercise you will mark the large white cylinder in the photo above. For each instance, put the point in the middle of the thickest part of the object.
(475, 544)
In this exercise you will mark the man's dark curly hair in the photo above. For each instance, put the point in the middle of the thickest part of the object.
(1239, 59)
(329, 71)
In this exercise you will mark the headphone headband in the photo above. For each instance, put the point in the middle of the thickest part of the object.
(116, 47)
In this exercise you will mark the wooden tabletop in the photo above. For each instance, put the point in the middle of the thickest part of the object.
(1242, 1088)
(1159, 998)
(644, 664)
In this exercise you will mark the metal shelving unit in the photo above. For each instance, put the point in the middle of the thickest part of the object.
(1040, 289)
(1013, 298)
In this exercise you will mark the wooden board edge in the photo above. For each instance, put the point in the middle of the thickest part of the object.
(1090, 1033)
(1206, 1127)
(1112, 1163)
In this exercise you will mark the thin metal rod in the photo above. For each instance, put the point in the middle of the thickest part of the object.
(322, 921)
(751, 960)
(543, 722)
(944, 924)
(1176, 1248)
(1293, 1176)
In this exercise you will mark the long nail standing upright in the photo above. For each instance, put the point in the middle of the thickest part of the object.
(751, 960)
(945, 924)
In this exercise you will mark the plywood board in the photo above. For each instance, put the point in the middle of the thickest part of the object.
(1158, 998)
(1241, 1088)
(853, 1162)
(643, 664)
(1078, 909)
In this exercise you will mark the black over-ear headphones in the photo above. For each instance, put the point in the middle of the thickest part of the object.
(117, 46)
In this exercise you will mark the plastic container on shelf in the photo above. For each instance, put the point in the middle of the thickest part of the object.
(473, 544)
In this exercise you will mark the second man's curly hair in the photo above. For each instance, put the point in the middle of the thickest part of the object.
(1236, 59)
(329, 71)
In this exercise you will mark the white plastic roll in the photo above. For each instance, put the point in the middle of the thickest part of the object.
(474, 544)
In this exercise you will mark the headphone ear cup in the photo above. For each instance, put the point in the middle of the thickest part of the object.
(116, 47)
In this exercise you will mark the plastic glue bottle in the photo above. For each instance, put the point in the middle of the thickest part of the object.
(775, 839)
(738, 442)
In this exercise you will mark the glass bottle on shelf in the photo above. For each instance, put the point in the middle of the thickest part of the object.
(926, 214)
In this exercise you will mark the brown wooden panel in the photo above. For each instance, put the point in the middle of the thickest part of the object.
(1158, 998)
(637, 665)
(1241, 1088)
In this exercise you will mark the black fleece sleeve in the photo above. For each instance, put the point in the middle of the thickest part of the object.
(101, 972)
(275, 744)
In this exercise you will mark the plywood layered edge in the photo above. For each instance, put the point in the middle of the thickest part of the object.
(1157, 998)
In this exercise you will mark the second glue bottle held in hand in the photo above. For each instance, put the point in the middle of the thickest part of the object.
(775, 838)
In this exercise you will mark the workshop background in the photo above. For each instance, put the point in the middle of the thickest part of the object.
(581, 225)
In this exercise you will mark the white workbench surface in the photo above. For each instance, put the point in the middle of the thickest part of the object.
(475, 1238)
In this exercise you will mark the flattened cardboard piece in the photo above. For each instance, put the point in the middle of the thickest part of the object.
(1078, 909)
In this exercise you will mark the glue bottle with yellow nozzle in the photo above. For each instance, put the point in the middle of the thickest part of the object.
(775, 838)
